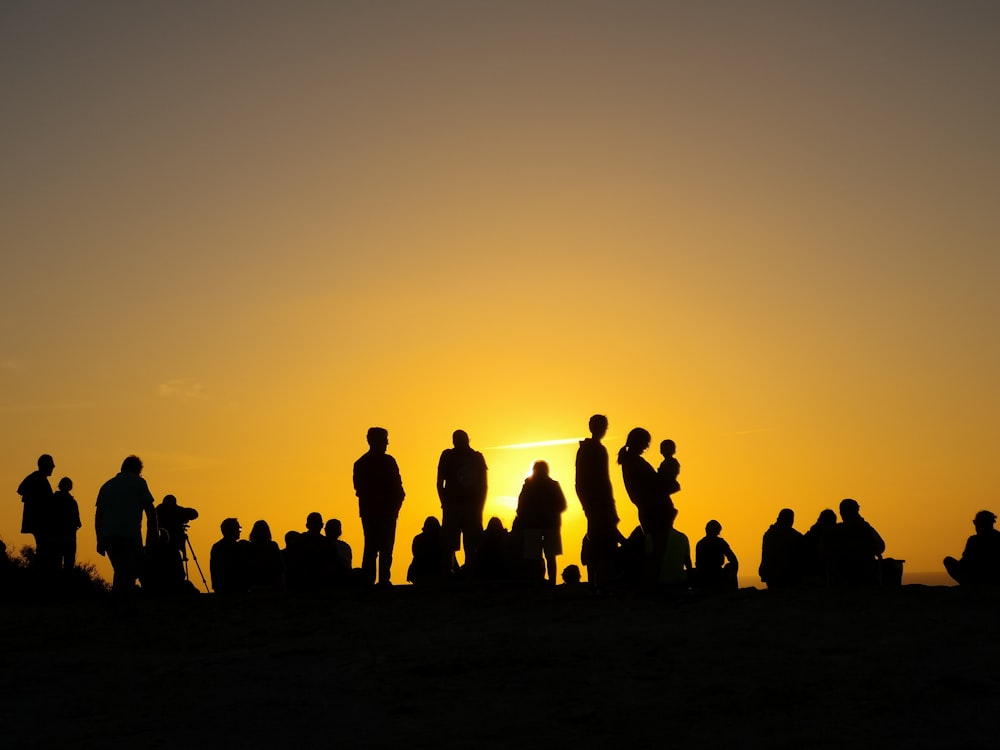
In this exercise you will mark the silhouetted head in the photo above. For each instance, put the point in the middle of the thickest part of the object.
(984, 520)
(460, 439)
(231, 529)
(292, 538)
(495, 525)
(260, 532)
(571, 574)
(65, 484)
(314, 522)
(132, 465)
(598, 426)
(431, 525)
(849, 509)
(540, 469)
(333, 528)
(786, 517)
(827, 517)
(713, 528)
(46, 464)
(667, 448)
(169, 501)
(378, 438)
(637, 441)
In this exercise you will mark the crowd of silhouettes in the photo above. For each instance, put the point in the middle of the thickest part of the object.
(655, 556)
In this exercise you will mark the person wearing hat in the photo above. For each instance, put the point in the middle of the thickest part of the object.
(980, 561)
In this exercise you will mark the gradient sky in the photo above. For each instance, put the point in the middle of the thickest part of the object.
(237, 234)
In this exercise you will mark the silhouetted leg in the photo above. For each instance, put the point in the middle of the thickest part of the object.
(385, 551)
(70, 554)
(370, 553)
(126, 561)
(550, 567)
(954, 568)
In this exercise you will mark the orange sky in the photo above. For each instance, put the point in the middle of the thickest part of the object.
(236, 235)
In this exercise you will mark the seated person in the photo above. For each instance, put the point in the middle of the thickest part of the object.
(675, 561)
(493, 561)
(853, 548)
(782, 556)
(319, 566)
(229, 562)
(266, 565)
(433, 561)
(715, 564)
(980, 561)
(342, 550)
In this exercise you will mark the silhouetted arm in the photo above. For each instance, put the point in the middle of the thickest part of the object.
(484, 484)
(98, 514)
(730, 555)
(151, 528)
(442, 462)
(878, 544)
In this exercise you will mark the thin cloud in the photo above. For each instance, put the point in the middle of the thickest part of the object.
(12, 408)
(182, 389)
(537, 444)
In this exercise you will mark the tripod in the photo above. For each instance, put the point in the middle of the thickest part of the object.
(195, 558)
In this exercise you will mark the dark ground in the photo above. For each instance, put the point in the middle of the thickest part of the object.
(911, 667)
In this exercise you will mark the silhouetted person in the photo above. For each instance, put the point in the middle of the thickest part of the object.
(291, 555)
(380, 496)
(320, 566)
(645, 490)
(670, 468)
(162, 570)
(65, 523)
(980, 563)
(642, 483)
(121, 503)
(783, 552)
(715, 563)
(433, 558)
(675, 560)
(631, 559)
(539, 514)
(265, 563)
(494, 563)
(853, 548)
(230, 560)
(593, 488)
(175, 519)
(815, 547)
(36, 519)
(461, 488)
(341, 549)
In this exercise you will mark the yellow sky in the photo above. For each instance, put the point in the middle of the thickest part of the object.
(236, 236)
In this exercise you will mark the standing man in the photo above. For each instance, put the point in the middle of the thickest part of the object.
(539, 516)
(121, 503)
(380, 496)
(461, 487)
(36, 494)
(593, 487)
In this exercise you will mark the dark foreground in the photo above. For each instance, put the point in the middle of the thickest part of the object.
(908, 667)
